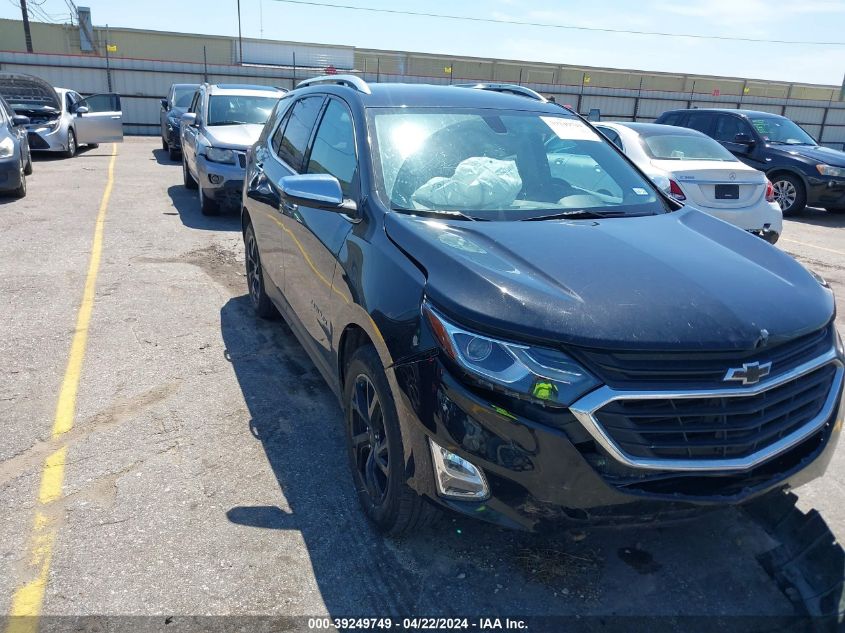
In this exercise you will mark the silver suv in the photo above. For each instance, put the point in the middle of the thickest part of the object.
(222, 122)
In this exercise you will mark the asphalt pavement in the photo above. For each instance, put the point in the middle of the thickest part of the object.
(205, 470)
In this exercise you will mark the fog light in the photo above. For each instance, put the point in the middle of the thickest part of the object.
(215, 179)
(456, 477)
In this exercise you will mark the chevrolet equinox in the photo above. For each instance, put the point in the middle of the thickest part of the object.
(519, 326)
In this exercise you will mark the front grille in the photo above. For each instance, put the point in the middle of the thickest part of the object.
(721, 427)
(36, 142)
(699, 369)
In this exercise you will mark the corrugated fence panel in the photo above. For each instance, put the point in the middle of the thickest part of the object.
(653, 108)
(836, 116)
(306, 55)
(804, 115)
(834, 134)
(84, 80)
(609, 106)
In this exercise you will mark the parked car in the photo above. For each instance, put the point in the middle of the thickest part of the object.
(699, 171)
(222, 122)
(802, 172)
(60, 119)
(173, 106)
(515, 346)
(15, 159)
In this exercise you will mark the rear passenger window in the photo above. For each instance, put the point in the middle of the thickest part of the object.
(673, 119)
(611, 135)
(298, 130)
(700, 121)
(728, 126)
(333, 151)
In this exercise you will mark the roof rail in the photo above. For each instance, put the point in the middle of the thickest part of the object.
(353, 81)
(514, 89)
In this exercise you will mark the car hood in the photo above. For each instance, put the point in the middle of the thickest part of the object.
(813, 152)
(678, 281)
(16, 87)
(233, 136)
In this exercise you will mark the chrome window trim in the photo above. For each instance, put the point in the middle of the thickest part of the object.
(585, 408)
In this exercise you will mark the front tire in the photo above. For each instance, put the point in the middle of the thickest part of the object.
(836, 210)
(20, 192)
(790, 193)
(255, 277)
(28, 169)
(164, 145)
(209, 206)
(173, 154)
(70, 152)
(376, 453)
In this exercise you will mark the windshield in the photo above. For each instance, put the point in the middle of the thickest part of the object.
(780, 130)
(502, 165)
(239, 109)
(684, 147)
(182, 96)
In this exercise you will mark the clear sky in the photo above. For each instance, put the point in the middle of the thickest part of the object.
(810, 20)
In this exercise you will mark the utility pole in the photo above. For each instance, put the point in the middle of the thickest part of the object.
(240, 37)
(26, 31)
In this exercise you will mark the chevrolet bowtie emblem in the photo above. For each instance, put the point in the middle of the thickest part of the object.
(749, 373)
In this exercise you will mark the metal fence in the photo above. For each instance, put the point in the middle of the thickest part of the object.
(142, 82)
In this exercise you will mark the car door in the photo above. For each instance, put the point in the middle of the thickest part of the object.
(189, 133)
(727, 128)
(98, 119)
(316, 235)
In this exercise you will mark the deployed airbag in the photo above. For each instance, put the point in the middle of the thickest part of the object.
(478, 183)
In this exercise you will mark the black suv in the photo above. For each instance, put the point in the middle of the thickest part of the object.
(802, 172)
(519, 325)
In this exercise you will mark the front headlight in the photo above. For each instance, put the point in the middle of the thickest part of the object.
(830, 170)
(220, 155)
(534, 373)
(7, 147)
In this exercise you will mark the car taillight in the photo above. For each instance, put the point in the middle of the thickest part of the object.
(770, 191)
(676, 192)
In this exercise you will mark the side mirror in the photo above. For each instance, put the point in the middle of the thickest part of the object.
(316, 190)
(20, 119)
(743, 139)
(80, 110)
(189, 118)
(164, 104)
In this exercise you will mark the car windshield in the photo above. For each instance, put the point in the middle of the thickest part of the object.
(239, 109)
(780, 130)
(502, 165)
(182, 96)
(684, 147)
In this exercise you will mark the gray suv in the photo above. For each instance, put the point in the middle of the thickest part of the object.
(222, 122)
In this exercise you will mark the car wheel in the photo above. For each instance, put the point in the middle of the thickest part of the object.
(173, 154)
(255, 278)
(789, 193)
(208, 205)
(164, 144)
(836, 210)
(70, 152)
(190, 182)
(376, 454)
(20, 192)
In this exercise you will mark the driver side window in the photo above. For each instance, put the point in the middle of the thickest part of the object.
(728, 126)
(333, 151)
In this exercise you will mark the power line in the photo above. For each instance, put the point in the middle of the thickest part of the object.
(547, 25)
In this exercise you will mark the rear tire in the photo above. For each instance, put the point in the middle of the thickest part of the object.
(261, 303)
(70, 152)
(376, 453)
(164, 145)
(187, 178)
(790, 193)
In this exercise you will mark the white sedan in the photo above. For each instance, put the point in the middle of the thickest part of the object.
(696, 170)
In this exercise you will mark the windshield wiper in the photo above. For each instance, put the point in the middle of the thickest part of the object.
(578, 213)
(436, 213)
(226, 123)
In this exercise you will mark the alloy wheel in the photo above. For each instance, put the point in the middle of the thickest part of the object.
(253, 269)
(71, 143)
(785, 194)
(369, 441)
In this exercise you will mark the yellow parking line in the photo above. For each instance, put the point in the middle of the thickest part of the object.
(28, 598)
(821, 248)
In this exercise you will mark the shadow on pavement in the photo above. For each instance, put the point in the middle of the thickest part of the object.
(162, 157)
(187, 203)
(706, 567)
(818, 217)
